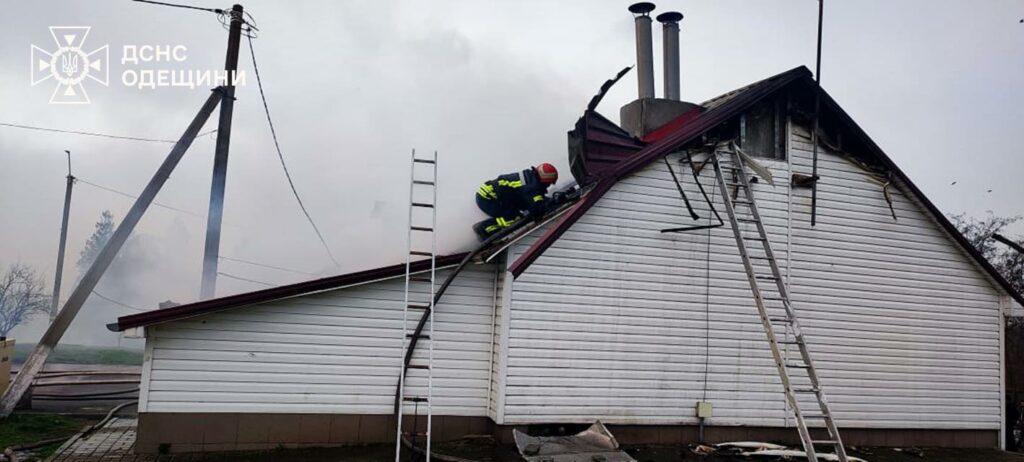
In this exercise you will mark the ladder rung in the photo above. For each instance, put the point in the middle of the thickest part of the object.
(421, 228)
(785, 320)
(789, 342)
(730, 183)
(424, 161)
(759, 238)
(824, 442)
(422, 204)
(767, 278)
(741, 201)
(747, 220)
(420, 252)
(417, 366)
(418, 306)
(428, 183)
(798, 366)
(806, 390)
(415, 434)
(754, 257)
(815, 416)
(415, 399)
(424, 336)
(418, 279)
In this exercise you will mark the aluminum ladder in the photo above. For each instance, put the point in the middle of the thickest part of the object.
(419, 297)
(775, 292)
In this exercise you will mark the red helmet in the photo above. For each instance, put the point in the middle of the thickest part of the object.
(547, 173)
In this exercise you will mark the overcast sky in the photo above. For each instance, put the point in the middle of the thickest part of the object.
(493, 87)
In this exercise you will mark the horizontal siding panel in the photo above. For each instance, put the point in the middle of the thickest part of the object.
(337, 351)
(618, 321)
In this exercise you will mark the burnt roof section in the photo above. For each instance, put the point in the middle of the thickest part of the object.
(688, 127)
(275, 293)
(722, 109)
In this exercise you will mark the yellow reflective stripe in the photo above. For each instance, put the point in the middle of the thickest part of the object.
(487, 192)
(538, 198)
(510, 184)
(504, 223)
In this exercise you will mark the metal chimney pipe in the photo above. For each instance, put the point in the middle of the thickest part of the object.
(644, 49)
(670, 45)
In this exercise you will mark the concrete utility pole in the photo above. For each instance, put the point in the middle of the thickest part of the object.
(63, 241)
(208, 286)
(34, 363)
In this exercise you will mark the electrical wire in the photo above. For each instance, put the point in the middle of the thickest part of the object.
(264, 265)
(707, 298)
(277, 146)
(232, 276)
(197, 215)
(190, 7)
(118, 303)
(101, 135)
(122, 193)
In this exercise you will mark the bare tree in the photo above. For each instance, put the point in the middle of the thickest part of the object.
(979, 231)
(22, 296)
(104, 229)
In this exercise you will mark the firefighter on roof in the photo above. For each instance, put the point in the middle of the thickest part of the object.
(506, 198)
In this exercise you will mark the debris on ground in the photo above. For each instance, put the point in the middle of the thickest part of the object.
(787, 454)
(749, 445)
(702, 450)
(593, 444)
(911, 451)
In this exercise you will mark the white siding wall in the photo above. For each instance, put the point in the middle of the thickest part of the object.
(906, 325)
(613, 321)
(498, 342)
(332, 352)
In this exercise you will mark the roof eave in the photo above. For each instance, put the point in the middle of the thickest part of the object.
(275, 293)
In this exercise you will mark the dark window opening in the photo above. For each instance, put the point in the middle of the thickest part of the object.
(763, 130)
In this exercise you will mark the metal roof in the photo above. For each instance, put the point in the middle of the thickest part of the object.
(723, 109)
(689, 126)
(275, 293)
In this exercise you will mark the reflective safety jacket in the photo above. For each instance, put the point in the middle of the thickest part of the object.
(520, 191)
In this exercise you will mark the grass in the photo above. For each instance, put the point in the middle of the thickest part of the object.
(81, 354)
(22, 429)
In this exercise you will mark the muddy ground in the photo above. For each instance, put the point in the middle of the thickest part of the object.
(486, 451)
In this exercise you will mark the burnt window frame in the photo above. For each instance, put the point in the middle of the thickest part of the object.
(777, 108)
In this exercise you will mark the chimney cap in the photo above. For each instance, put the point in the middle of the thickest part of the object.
(671, 16)
(641, 8)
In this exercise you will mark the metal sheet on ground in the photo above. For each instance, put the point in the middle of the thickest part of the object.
(595, 444)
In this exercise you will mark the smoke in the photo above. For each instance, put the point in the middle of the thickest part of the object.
(144, 274)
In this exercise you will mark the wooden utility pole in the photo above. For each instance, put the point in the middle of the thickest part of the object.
(63, 241)
(34, 363)
(208, 286)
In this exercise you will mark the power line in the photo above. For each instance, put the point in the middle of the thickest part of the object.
(190, 7)
(121, 304)
(168, 207)
(232, 276)
(280, 156)
(197, 215)
(239, 260)
(101, 135)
